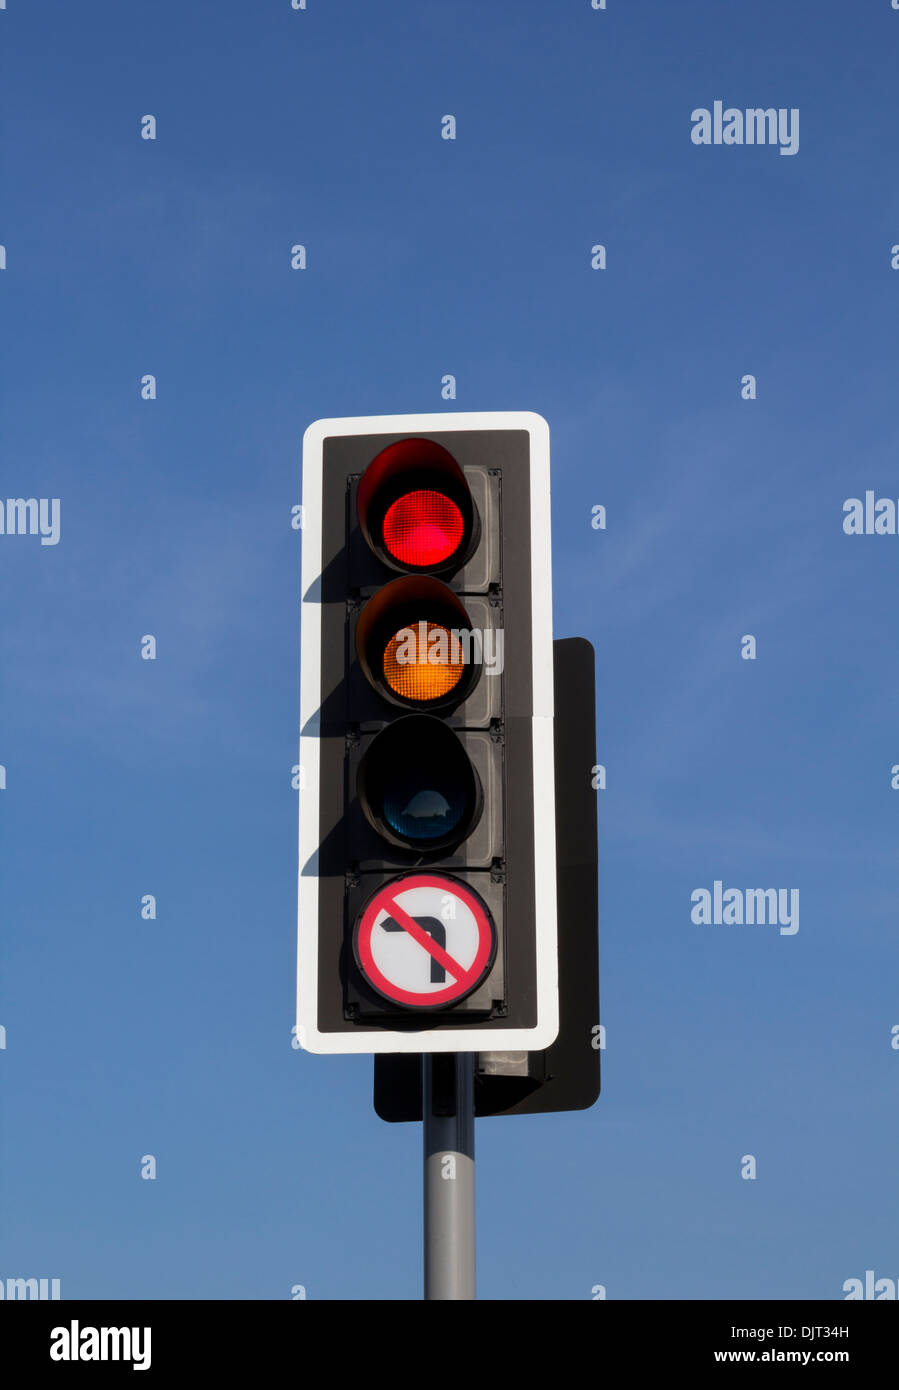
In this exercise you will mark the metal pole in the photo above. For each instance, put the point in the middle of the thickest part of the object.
(448, 1113)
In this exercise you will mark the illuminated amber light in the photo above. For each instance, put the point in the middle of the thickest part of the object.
(423, 661)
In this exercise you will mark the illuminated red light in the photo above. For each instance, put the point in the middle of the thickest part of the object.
(423, 528)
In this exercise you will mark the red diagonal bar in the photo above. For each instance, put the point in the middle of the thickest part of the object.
(409, 924)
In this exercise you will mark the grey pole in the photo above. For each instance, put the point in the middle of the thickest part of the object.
(448, 1113)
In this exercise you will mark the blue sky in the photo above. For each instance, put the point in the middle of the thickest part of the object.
(127, 777)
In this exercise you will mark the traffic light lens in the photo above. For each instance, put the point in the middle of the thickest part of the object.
(423, 528)
(423, 813)
(423, 662)
(416, 644)
(417, 785)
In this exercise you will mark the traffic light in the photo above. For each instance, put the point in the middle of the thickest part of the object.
(427, 893)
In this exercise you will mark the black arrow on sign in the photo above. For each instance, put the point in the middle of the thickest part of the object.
(436, 931)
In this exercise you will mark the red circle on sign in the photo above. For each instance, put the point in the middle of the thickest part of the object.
(464, 980)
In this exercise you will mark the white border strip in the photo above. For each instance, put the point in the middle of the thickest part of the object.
(430, 1040)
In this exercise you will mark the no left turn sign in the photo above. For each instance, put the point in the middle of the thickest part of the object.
(424, 940)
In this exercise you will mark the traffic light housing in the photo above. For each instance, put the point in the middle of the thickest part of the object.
(427, 896)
